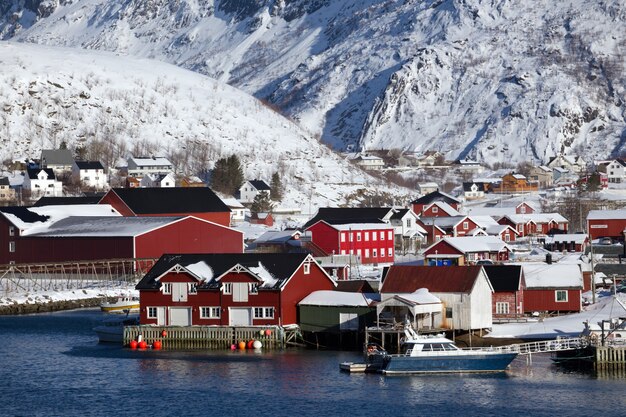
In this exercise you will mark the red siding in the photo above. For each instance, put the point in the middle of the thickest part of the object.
(189, 236)
(117, 203)
(606, 228)
(442, 248)
(300, 286)
(459, 230)
(545, 300)
(515, 299)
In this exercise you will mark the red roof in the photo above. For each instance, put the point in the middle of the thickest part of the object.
(408, 279)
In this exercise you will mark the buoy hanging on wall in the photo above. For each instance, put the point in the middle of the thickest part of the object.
(156, 345)
(133, 344)
(257, 344)
(242, 345)
(163, 333)
(143, 345)
(268, 332)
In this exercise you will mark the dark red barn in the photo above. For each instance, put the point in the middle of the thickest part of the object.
(229, 289)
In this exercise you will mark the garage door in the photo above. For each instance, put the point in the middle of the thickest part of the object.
(180, 317)
(240, 316)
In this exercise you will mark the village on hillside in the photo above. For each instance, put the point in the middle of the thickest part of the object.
(503, 248)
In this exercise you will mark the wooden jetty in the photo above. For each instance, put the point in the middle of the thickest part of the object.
(212, 337)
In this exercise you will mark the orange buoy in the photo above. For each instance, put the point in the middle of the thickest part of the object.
(143, 345)
(163, 333)
(250, 343)
(156, 345)
(133, 344)
(242, 345)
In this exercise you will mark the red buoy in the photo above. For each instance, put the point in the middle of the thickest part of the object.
(163, 333)
(268, 332)
(133, 344)
(143, 345)
(250, 343)
(156, 345)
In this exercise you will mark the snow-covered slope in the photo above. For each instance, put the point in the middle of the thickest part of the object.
(493, 80)
(122, 106)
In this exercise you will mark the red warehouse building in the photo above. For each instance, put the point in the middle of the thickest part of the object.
(508, 286)
(606, 223)
(229, 289)
(200, 202)
(87, 238)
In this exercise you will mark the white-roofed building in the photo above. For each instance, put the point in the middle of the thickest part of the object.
(552, 287)
(570, 242)
(138, 167)
(467, 250)
(607, 223)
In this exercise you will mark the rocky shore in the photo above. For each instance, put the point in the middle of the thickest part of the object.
(30, 308)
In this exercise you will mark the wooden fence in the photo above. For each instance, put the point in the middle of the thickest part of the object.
(207, 337)
(610, 355)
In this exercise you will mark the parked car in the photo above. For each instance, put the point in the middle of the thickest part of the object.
(484, 262)
(605, 241)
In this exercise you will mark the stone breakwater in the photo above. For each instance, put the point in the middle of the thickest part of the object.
(31, 308)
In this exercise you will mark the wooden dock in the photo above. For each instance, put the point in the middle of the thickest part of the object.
(610, 356)
(211, 337)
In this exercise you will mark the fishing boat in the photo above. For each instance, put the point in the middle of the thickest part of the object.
(111, 330)
(436, 354)
(120, 305)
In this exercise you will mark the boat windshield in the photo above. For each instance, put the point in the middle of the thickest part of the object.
(437, 347)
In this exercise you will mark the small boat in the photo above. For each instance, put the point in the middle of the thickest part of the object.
(437, 354)
(120, 305)
(111, 330)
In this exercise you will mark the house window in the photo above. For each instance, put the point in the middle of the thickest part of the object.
(374, 236)
(507, 238)
(343, 251)
(502, 308)
(307, 269)
(382, 252)
(522, 210)
(390, 252)
(210, 312)
(351, 236)
(263, 312)
(465, 225)
(367, 253)
(435, 209)
(358, 236)
(152, 312)
(193, 288)
(253, 288)
(390, 235)
(358, 252)
(227, 288)
(539, 227)
(11, 231)
(367, 236)
(560, 296)
(167, 288)
(408, 223)
(448, 312)
(374, 253)
(343, 237)
(382, 235)
(520, 228)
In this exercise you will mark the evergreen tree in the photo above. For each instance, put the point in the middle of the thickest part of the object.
(227, 175)
(261, 203)
(276, 188)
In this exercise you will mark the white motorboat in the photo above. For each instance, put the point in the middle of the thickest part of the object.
(111, 329)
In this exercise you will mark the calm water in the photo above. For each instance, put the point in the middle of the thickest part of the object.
(53, 365)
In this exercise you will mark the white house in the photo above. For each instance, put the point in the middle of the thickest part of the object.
(474, 190)
(6, 192)
(90, 173)
(237, 210)
(158, 181)
(42, 182)
(370, 162)
(616, 171)
(427, 187)
(407, 230)
(571, 163)
(250, 189)
(139, 167)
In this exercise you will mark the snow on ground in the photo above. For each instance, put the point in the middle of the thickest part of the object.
(570, 325)
(42, 296)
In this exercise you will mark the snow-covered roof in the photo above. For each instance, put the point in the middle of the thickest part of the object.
(361, 226)
(156, 161)
(277, 236)
(552, 275)
(338, 298)
(421, 296)
(55, 214)
(445, 207)
(606, 214)
(536, 218)
(103, 226)
(201, 270)
(484, 221)
(475, 243)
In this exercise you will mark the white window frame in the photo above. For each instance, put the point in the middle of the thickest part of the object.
(367, 253)
(389, 235)
(307, 268)
(11, 230)
(12, 246)
(358, 236)
(465, 225)
(343, 237)
(556, 296)
(374, 236)
(367, 236)
(167, 288)
(227, 288)
(502, 307)
(192, 288)
(374, 253)
(253, 288)
(208, 312)
(382, 252)
(390, 252)
(152, 312)
(263, 313)
(435, 209)
(382, 235)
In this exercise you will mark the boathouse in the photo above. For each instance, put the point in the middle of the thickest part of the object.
(464, 291)
(553, 288)
(248, 289)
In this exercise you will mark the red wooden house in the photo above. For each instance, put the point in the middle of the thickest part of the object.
(525, 207)
(439, 209)
(552, 288)
(606, 223)
(364, 232)
(536, 223)
(466, 250)
(508, 290)
(454, 226)
(229, 289)
(421, 203)
(200, 202)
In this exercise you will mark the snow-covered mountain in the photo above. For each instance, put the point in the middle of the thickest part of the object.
(495, 80)
(120, 106)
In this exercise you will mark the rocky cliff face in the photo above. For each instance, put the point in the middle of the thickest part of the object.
(492, 80)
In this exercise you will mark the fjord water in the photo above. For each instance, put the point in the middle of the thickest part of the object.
(52, 364)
